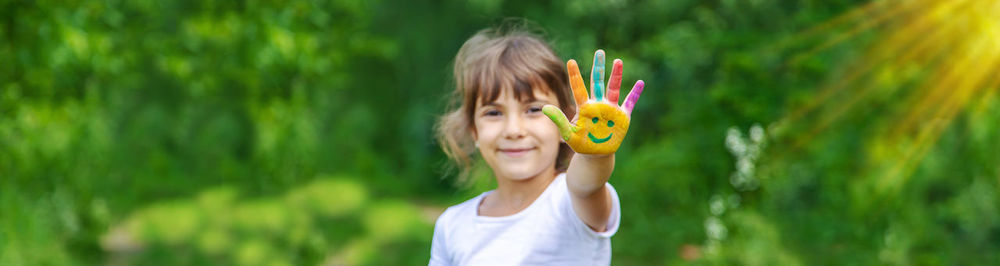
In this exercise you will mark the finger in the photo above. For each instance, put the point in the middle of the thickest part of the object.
(597, 76)
(633, 96)
(576, 82)
(565, 128)
(616, 81)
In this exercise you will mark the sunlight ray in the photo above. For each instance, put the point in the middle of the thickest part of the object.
(954, 46)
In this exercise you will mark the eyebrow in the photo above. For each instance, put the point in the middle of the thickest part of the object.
(536, 100)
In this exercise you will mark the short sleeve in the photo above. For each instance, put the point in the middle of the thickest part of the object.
(614, 218)
(439, 248)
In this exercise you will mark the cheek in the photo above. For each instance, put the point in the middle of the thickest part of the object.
(485, 132)
(547, 130)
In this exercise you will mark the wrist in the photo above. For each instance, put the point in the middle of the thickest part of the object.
(595, 156)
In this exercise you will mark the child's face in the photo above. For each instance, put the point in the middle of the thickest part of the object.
(515, 138)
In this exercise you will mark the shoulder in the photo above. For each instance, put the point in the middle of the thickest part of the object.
(448, 225)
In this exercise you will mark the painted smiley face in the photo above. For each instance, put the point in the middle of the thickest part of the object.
(602, 128)
(600, 140)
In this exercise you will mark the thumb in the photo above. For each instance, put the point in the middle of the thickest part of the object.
(557, 116)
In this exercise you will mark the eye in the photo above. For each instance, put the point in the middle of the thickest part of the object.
(534, 109)
(611, 123)
(595, 120)
(492, 113)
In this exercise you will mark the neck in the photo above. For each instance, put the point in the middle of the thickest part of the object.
(515, 195)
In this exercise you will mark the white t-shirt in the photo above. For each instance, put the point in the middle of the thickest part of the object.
(547, 232)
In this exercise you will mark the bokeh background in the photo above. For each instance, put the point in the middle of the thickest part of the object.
(771, 132)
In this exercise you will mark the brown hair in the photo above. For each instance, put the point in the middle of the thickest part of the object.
(489, 62)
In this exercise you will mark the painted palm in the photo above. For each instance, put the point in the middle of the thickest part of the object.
(601, 124)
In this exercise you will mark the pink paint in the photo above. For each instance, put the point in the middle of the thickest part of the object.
(615, 84)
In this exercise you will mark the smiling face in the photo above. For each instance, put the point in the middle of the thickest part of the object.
(514, 137)
(602, 128)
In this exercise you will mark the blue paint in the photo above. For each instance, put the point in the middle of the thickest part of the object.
(597, 75)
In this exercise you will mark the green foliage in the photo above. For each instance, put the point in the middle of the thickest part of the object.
(287, 133)
(299, 227)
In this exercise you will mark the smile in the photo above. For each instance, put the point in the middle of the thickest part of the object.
(597, 140)
(515, 153)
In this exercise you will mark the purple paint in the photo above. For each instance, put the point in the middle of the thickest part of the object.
(633, 96)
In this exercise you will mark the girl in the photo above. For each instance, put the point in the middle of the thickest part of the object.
(551, 206)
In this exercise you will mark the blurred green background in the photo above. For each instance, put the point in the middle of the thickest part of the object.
(300, 132)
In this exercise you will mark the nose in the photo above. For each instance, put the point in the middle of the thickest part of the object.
(514, 127)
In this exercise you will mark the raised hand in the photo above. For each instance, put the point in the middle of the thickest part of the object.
(601, 124)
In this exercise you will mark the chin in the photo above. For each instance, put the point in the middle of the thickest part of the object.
(518, 175)
(522, 171)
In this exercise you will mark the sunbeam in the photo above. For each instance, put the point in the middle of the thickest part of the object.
(953, 45)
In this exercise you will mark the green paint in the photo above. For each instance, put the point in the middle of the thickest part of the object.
(595, 120)
(557, 116)
(611, 123)
(597, 140)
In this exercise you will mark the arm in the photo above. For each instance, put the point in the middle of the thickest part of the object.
(595, 137)
(586, 177)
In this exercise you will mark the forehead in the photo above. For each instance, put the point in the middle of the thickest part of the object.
(539, 92)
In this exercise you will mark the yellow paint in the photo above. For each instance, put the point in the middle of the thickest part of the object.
(603, 111)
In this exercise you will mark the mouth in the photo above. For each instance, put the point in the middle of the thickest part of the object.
(597, 140)
(515, 153)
